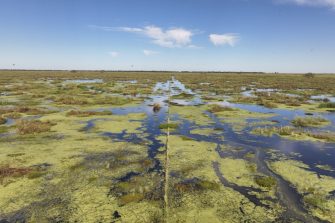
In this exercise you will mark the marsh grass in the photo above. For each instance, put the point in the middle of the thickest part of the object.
(327, 105)
(112, 100)
(183, 95)
(294, 132)
(265, 181)
(217, 108)
(309, 121)
(70, 100)
(15, 111)
(267, 104)
(87, 113)
(25, 127)
(315, 199)
(169, 125)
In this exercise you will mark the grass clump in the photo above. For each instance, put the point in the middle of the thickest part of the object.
(267, 104)
(217, 108)
(327, 105)
(169, 125)
(25, 127)
(183, 95)
(70, 100)
(309, 121)
(267, 182)
(283, 131)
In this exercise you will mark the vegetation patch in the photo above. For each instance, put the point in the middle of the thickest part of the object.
(33, 126)
(169, 125)
(309, 121)
(87, 113)
(265, 181)
(217, 108)
(183, 95)
(295, 133)
(327, 105)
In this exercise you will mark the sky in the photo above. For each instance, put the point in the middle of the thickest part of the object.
(196, 35)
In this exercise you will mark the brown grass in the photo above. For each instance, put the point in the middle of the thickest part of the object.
(25, 127)
(7, 171)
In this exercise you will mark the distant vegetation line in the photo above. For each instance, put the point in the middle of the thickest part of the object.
(161, 71)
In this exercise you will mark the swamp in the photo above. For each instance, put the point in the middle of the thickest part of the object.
(99, 146)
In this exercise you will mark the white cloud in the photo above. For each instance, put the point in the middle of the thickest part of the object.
(174, 37)
(224, 39)
(114, 54)
(325, 3)
(149, 52)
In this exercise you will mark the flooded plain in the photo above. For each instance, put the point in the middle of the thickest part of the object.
(123, 149)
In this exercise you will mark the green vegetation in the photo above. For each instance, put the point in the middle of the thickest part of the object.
(217, 108)
(169, 125)
(267, 182)
(87, 113)
(66, 158)
(327, 105)
(309, 121)
(314, 188)
(295, 133)
(183, 95)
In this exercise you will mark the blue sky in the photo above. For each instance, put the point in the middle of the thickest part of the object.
(224, 35)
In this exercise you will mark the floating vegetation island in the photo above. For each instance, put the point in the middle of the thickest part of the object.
(166, 147)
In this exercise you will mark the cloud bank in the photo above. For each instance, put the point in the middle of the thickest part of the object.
(320, 3)
(174, 37)
(224, 39)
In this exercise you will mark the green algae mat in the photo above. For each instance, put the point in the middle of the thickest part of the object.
(166, 147)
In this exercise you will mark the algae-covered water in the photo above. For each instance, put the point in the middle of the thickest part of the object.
(101, 150)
